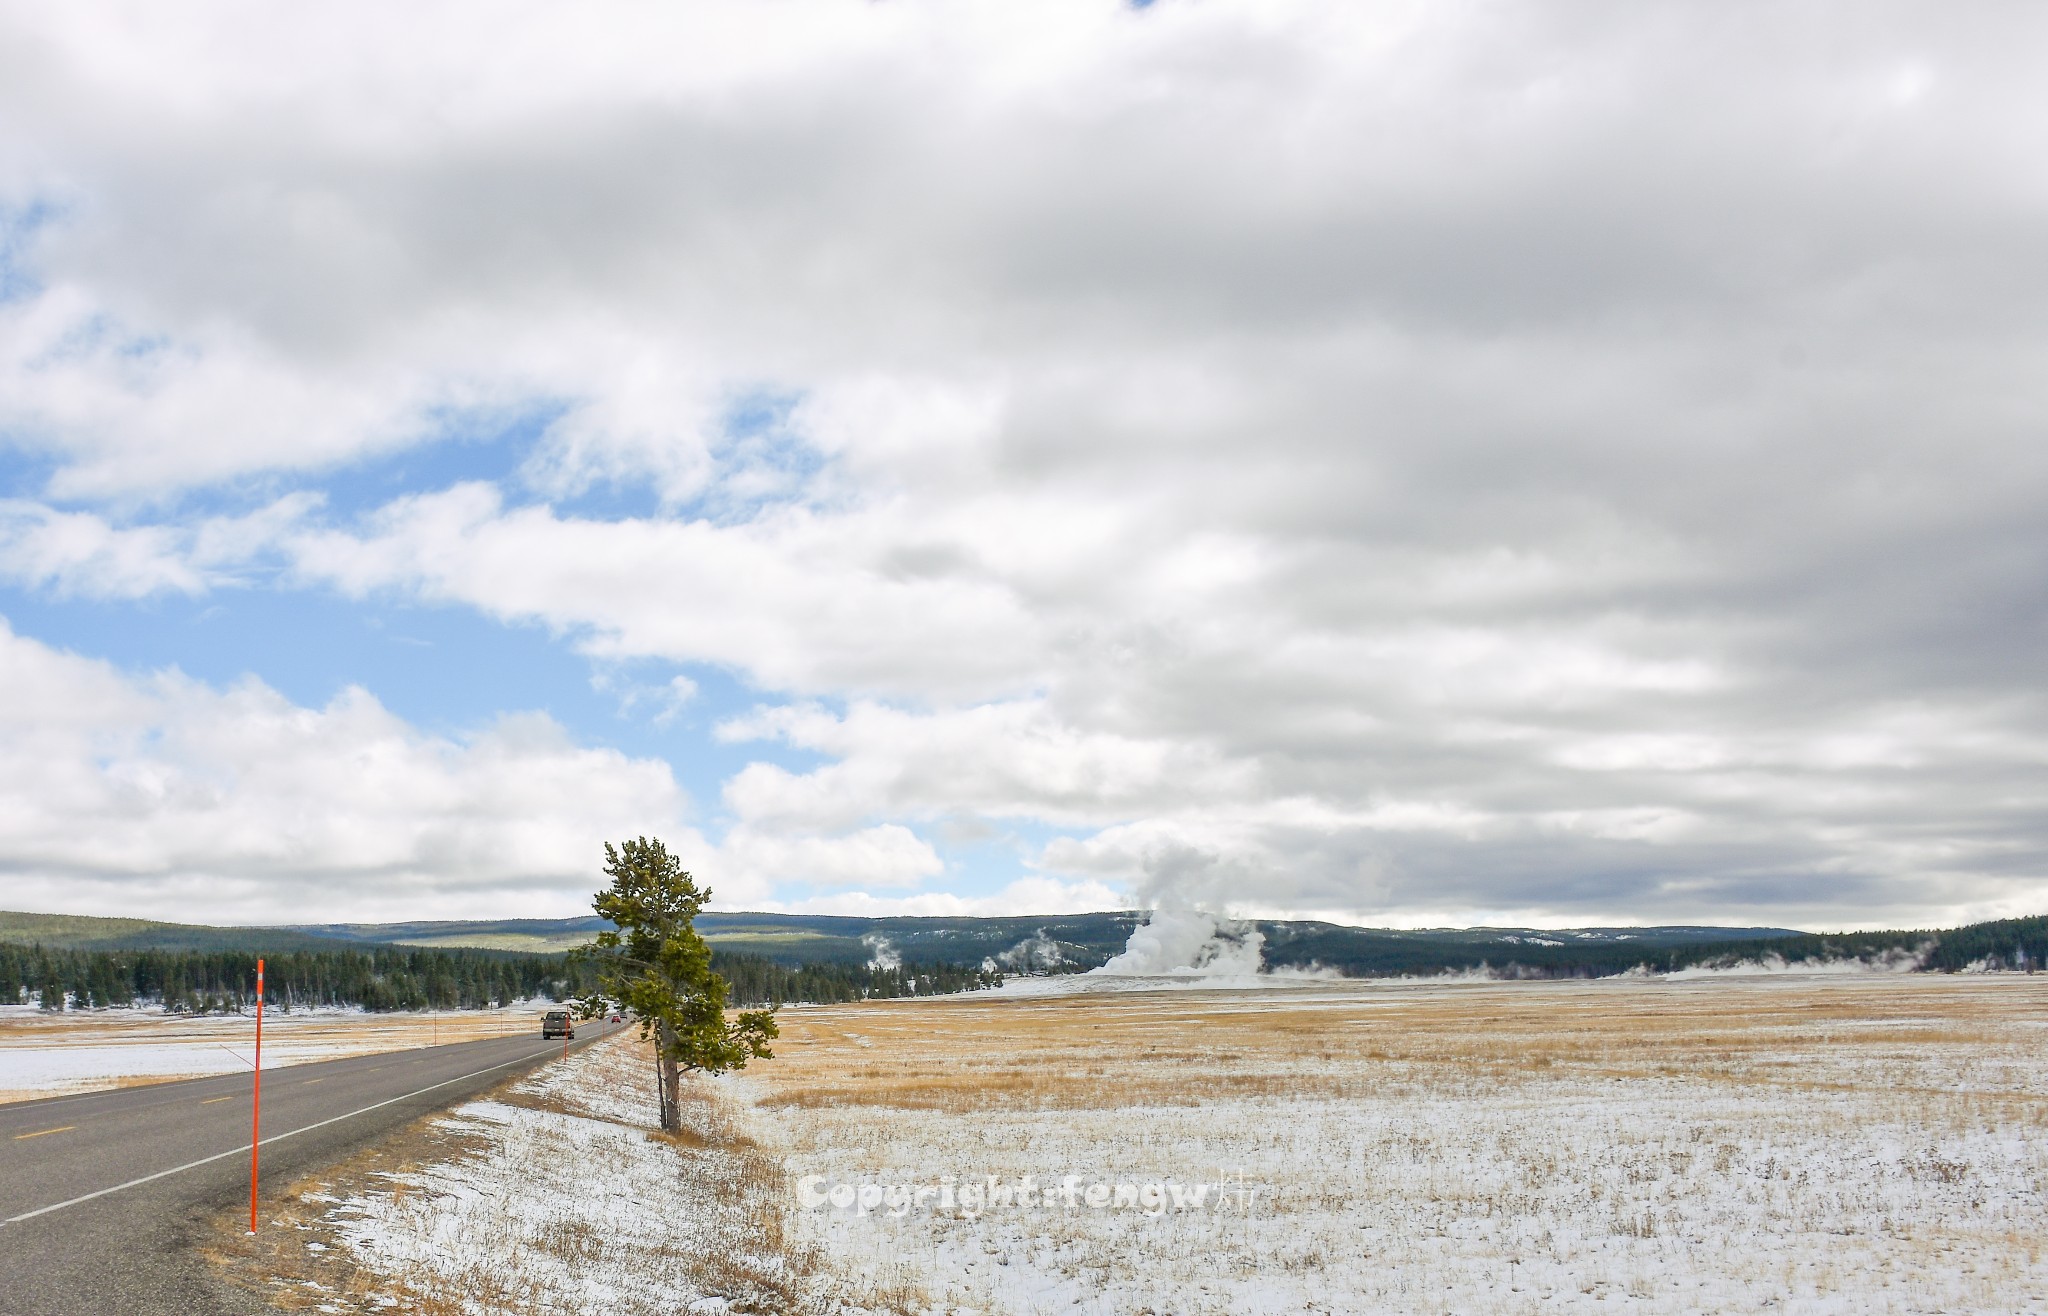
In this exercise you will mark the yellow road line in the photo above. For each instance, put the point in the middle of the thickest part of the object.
(311, 1081)
(44, 1132)
(210, 1100)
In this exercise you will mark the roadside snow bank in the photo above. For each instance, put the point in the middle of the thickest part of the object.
(570, 1200)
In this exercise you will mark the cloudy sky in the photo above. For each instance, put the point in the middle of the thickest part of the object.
(1408, 463)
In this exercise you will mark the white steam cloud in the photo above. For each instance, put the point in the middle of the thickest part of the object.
(1037, 953)
(882, 954)
(1896, 960)
(1189, 943)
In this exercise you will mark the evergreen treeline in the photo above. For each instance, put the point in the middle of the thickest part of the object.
(2011, 943)
(396, 978)
(758, 980)
(2018, 943)
(419, 978)
(401, 978)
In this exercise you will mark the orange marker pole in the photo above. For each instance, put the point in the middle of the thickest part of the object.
(256, 1107)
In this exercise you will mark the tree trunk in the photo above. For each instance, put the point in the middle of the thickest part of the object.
(670, 1080)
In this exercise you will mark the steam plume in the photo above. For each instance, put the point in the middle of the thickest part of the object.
(1189, 942)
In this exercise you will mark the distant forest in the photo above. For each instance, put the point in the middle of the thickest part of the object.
(401, 978)
(394, 977)
(2014, 944)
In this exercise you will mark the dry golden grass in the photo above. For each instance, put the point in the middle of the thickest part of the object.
(1766, 1141)
(1344, 1042)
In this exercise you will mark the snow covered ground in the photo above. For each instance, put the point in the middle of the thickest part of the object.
(1804, 1145)
(1798, 1144)
(49, 1054)
(563, 1198)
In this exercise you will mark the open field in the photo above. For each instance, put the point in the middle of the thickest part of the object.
(46, 1054)
(519, 941)
(1862, 1144)
(1876, 1143)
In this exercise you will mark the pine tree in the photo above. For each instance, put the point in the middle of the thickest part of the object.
(657, 968)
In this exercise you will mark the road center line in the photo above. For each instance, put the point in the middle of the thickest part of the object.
(277, 1137)
(44, 1133)
(210, 1100)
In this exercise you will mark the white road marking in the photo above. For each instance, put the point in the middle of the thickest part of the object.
(276, 1137)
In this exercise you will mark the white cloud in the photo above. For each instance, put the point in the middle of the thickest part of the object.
(1018, 759)
(1026, 895)
(790, 597)
(1374, 457)
(888, 855)
(166, 797)
(676, 695)
(661, 702)
(84, 554)
(79, 553)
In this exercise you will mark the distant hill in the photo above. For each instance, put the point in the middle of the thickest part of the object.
(1366, 952)
(88, 932)
(542, 935)
(1062, 940)
(1067, 942)
(1087, 939)
(1047, 942)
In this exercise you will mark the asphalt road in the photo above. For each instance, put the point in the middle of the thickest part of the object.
(104, 1196)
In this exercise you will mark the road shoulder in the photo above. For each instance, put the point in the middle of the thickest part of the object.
(550, 1192)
